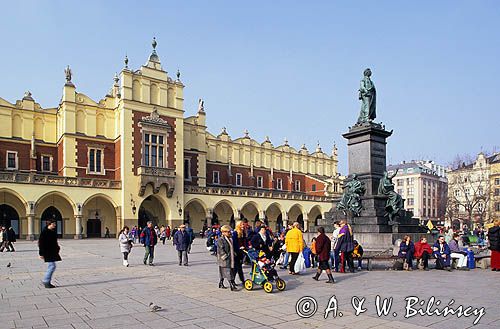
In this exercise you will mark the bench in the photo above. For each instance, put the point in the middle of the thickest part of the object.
(369, 259)
(482, 261)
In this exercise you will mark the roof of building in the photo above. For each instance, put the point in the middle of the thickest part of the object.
(415, 168)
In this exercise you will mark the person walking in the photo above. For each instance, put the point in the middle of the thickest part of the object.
(149, 239)
(294, 245)
(345, 244)
(106, 235)
(335, 257)
(125, 244)
(181, 243)
(323, 248)
(48, 250)
(190, 233)
(239, 245)
(163, 234)
(494, 238)
(226, 258)
(4, 241)
(11, 238)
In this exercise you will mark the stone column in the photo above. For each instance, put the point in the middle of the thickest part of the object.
(118, 224)
(209, 217)
(31, 227)
(78, 228)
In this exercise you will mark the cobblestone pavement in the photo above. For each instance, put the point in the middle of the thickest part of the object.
(96, 291)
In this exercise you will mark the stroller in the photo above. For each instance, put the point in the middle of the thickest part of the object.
(263, 272)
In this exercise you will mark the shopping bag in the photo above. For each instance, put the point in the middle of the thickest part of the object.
(300, 265)
(281, 259)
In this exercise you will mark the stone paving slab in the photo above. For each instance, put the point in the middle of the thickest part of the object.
(96, 291)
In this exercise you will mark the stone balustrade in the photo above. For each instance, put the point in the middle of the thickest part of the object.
(42, 179)
(256, 193)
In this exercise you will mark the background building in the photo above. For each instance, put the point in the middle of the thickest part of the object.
(133, 157)
(423, 185)
(473, 191)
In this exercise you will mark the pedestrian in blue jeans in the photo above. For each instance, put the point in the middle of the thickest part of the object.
(48, 249)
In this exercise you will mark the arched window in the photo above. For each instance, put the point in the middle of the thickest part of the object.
(154, 94)
(136, 90)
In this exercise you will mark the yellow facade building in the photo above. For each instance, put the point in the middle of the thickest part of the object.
(133, 156)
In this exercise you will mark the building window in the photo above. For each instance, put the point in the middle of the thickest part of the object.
(279, 184)
(411, 201)
(467, 192)
(480, 190)
(409, 191)
(457, 193)
(12, 160)
(313, 187)
(215, 177)
(187, 169)
(497, 206)
(239, 179)
(400, 191)
(335, 187)
(297, 185)
(409, 181)
(400, 182)
(154, 150)
(497, 192)
(96, 161)
(46, 164)
(260, 182)
(497, 181)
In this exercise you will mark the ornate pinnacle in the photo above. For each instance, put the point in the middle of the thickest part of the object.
(154, 43)
(116, 79)
(178, 74)
(126, 61)
(246, 133)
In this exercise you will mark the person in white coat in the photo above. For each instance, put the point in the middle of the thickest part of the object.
(125, 244)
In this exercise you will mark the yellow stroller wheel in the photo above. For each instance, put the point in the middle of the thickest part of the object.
(248, 284)
(280, 284)
(268, 286)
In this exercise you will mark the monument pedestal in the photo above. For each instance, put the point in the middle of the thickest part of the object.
(367, 159)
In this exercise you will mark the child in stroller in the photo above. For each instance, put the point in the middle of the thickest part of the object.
(263, 272)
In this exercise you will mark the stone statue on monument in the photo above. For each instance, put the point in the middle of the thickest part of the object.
(394, 203)
(351, 198)
(368, 97)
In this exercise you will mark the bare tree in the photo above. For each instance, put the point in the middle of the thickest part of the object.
(469, 195)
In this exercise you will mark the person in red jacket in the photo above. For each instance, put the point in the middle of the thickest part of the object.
(323, 248)
(423, 251)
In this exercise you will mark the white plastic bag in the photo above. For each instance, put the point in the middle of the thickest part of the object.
(281, 259)
(300, 265)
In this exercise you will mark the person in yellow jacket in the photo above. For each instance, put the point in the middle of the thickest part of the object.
(294, 245)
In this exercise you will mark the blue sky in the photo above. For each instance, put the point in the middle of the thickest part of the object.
(282, 68)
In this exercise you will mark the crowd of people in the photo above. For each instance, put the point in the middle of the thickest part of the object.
(286, 247)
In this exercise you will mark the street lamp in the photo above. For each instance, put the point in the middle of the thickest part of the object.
(179, 207)
(132, 203)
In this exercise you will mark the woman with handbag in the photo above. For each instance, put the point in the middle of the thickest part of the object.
(294, 245)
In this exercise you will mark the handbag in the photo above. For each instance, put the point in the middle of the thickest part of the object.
(300, 265)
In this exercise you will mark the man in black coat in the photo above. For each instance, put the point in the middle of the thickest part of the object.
(11, 237)
(49, 251)
(262, 241)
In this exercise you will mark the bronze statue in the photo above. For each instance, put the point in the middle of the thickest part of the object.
(394, 203)
(351, 199)
(368, 97)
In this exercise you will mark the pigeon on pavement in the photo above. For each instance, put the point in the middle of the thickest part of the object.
(153, 307)
(8, 265)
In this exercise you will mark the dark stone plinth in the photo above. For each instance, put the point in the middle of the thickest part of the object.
(367, 158)
(366, 148)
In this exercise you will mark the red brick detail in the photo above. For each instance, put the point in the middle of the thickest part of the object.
(117, 160)
(60, 158)
(320, 186)
(23, 149)
(223, 173)
(82, 148)
(194, 167)
(137, 140)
